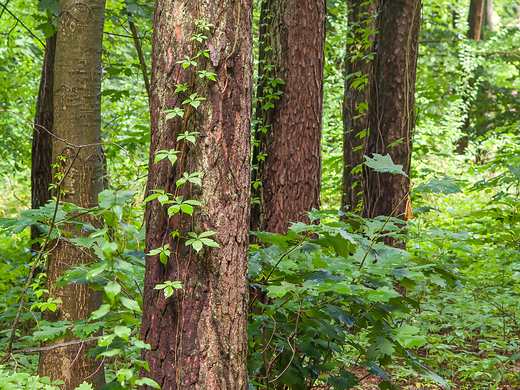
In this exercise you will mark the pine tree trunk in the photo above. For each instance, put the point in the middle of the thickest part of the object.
(287, 152)
(358, 74)
(77, 119)
(198, 336)
(391, 104)
(41, 171)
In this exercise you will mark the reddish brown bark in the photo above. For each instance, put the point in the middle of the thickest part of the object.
(41, 171)
(77, 118)
(198, 336)
(287, 156)
(391, 104)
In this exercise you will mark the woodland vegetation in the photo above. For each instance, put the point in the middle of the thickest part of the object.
(266, 194)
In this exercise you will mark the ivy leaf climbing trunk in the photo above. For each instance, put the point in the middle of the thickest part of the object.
(390, 99)
(197, 229)
(77, 119)
(287, 151)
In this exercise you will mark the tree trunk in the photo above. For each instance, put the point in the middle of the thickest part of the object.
(77, 119)
(476, 12)
(287, 152)
(391, 104)
(41, 171)
(198, 336)
(487, 18)
(358, 72)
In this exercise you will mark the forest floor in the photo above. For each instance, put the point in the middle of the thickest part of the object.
(371, 382)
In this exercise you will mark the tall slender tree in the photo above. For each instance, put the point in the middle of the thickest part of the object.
(358, 72)
(77, 119)
(287, 152)
(41, 172)
(391, 105)
(475, 18)
(198, 336)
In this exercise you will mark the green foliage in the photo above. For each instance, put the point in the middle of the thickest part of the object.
(322, 304)
(329, 299)
(12, 380)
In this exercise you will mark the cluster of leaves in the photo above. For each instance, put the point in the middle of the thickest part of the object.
(327, 304)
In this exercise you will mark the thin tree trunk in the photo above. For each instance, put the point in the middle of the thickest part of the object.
(487, 19)
(358, 72)
(41, 171)
(198, 336)
(476, 12)
(391, 103)
(142, 62)
(77, 118)
(287, 153)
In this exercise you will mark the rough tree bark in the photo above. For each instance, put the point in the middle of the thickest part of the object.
(198, 336)
(358, 72)
(41, 171)
(391, 103)
(287, 152)
(77, 118)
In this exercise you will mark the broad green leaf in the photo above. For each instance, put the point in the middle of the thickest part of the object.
(384, 164)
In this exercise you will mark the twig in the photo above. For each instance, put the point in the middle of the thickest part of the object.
(33, 267)
(141, 57)
(62, 345)
(71, 364)
(380, 230)
(122, 35)
(272, 270)
(35, 125)
(23, 25)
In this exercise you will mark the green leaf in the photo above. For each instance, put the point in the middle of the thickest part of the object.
(197, 245)
(102, 311)
(84, 386)
(383, 294)
(123, 332)
(147, 382)
(163, 258)
(384, 164)
(209, 242)
(130, 304)
(207, 234)
(186, 208)
(112, 289)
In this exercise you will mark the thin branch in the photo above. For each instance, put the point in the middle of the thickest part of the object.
(122, 35)
(35, 125)
(23, 25)
(141, 57)
(381, 230)
(3, 9)
(62, 345)
(514, 53)
(276, 265)
(33, 267)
